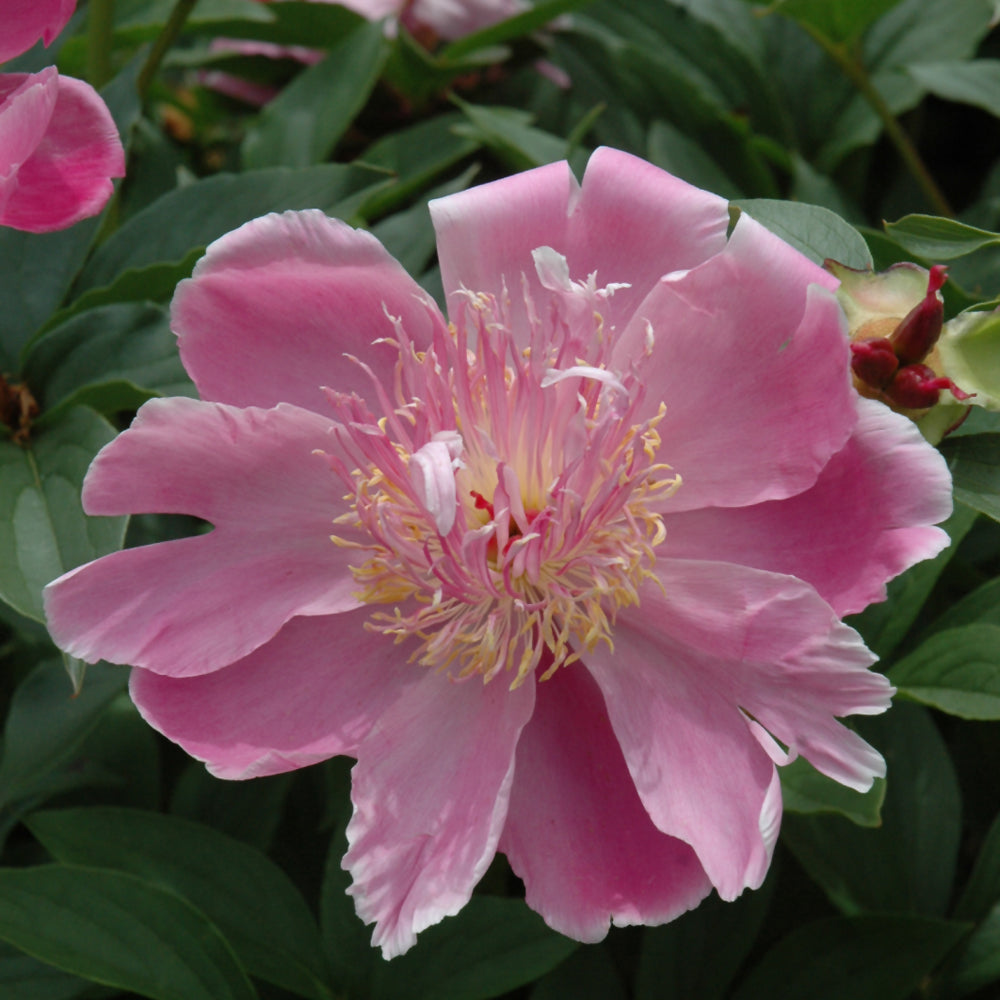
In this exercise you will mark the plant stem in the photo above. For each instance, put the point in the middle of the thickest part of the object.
(161, 45)
(856, 72)
(100, 35)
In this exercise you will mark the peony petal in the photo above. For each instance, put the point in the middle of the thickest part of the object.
(194, 605)
(430, 794)
(576, 831)
(273, 309)
(772, 646)
(717, 641)
(629, 222)
(868, 518)
(753, 368)
(312, 692)
(66, 174)
(26, 107)
(451, 19)
(700, 773)
(28, 21)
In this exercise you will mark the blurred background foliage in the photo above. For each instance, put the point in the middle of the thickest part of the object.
(127, 870)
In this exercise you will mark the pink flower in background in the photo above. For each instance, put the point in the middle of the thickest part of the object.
(26, 22)
(564, 574)
(59, 147)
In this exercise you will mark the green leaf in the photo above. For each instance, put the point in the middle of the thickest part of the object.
(139, 20)
(46, 723)
(976, 82)
(816, 232)
(974, 460)
(43, 530)
(153, 283)
(982, 892)
(977, 963)
(508, 132)
(118, 930)
(841, 21)
(25, 978)
(805, 790)
(907, 864)
(415, 156)
(493, 946)
(700, 953)
(864, 958)
(956, 671)
(588, 974)
(936, 239)
(196, 214)
(303, 123)
(537, 16)
(250, 900)
(110, 358)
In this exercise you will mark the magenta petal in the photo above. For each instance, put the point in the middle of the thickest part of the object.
(312, 692)
(751, 363)
(274, 308)
(430, 794)
(869, 517)
(577, 833)
(192, 606)
(56, 166)
(28, 21)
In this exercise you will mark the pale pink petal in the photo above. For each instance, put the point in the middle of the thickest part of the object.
(869, 517)
(312, 692)
(191, 606)
(66, 174)
(772, 646)
(576, 832)
(430, 793)
(717, 642)
(752, 367)
(273, 309)
(451, 19)
(28, 21)
(699, 772)
(630, 222)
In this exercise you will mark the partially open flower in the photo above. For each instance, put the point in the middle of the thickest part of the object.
(563, 572)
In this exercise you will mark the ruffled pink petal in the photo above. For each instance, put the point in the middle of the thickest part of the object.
(699, 772)
(65, 175)
(629, 221)
(28, 21)
(869, 517)
(274, 309)
(717, 642)
(312, 692)
(192, 606)
(576, 831)
(430, 793)
(751, 362)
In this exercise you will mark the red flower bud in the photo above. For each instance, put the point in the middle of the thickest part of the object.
(917, 387)
(913, 339)
(874, 362)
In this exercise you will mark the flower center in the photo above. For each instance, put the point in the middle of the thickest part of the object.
(510, 497)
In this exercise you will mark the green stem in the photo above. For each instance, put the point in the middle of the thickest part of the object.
(162, 44)
(100, 37)
(855, 71)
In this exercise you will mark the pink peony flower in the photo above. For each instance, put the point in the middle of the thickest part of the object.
(563, 574)
(26, 22)
(59, 147)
